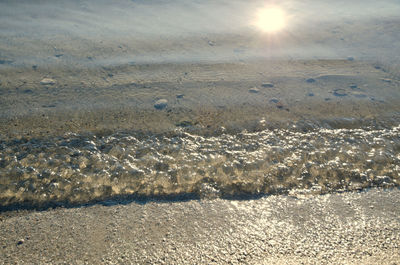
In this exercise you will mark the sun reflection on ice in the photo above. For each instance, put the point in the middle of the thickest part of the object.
(271, 19)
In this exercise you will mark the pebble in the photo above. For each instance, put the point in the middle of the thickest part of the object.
(310, 94)
(266, 85)
(353, 86)
(20, 242)
(27, 91)
(274, 100)
(49, 106)
(184, 124)
(161, 104)
(279, 105)
(350, 59)
(180, 96)
(310, 80)
(254, 90)
(339, 92)
(47, 81)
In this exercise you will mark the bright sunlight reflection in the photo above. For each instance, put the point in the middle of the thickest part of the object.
(270, 19)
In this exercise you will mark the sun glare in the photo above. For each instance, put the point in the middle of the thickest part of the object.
(271, 19)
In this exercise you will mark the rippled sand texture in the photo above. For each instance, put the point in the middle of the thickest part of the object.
(203, 97)
(94, 66)
(78, 169)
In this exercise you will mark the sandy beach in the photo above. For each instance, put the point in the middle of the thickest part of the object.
(198, 132)
(347, 228)
(223, 130)
(205, 97)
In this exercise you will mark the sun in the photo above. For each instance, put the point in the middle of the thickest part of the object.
(270, 19)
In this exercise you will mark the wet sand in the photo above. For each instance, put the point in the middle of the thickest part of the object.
(221, 130)
(259, 142)
(204, 97)
(346, 228)
(355, 103)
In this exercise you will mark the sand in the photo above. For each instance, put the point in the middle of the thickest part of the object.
(345, 94)
(186, 100)
(346, 228)
(314, 125)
